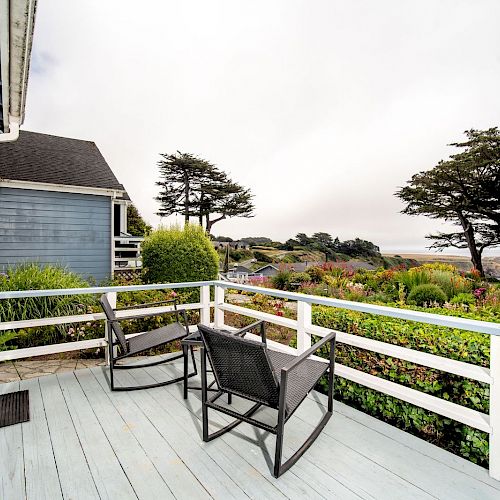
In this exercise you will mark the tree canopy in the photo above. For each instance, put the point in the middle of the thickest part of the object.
(136, 225)
(463, 190)
(194, 187)
(324, 242)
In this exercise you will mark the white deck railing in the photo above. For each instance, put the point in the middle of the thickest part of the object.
(489, 423)
(127, 253)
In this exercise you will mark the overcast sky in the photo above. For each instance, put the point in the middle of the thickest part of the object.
(322, 108)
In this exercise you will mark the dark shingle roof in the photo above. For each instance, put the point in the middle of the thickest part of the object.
(38, 157)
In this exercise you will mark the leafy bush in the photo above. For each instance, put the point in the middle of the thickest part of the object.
(32, 276)
(454, 344)
(179, 254)
(413, 277)
(300, 278)
(463, 298)
(262, 257)
(451, 283)
(427, 294)
(281, 279)
(316, 273)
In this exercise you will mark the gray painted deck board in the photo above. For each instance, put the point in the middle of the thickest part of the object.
(107, 472)
(40, 469)
(12, 483)
(85, 442)
(67, 448)
(141, 472)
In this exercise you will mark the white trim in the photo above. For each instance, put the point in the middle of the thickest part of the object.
(4, 60)
(60, 188)
(13, 134)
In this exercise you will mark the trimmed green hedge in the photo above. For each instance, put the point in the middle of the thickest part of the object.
(179, 254)
(469, 347)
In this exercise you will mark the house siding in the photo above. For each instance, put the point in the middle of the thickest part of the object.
(73, 230)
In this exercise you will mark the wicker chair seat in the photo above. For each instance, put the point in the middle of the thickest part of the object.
(301, 380)
(155, 338)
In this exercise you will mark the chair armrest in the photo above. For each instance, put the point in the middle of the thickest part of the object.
(300, 359)
(141, 306)
(243, 331)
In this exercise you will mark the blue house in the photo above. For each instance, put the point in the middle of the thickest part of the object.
(60, 203)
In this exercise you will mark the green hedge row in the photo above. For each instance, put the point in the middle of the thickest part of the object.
(469, 347)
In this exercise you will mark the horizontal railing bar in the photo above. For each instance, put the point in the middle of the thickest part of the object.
(83, 318)
(393, 312)
(460, 368)
(423, 317)
(45, 350)
(252, 313)
(15, 294)
(445, 408)
(468, 370)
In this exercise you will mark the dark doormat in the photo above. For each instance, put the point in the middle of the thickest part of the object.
(14, 408)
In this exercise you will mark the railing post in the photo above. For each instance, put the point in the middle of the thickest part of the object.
(218, 312)
(304, 320)
(108, 333)
(495, 407)
(205, 305)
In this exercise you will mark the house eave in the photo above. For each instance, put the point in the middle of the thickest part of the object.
(17, 19)
(61, 188)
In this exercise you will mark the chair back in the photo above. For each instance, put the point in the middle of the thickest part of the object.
(115, 326)
(241, 366)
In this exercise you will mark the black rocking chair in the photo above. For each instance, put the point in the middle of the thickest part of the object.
(250, 370)
(144, 341)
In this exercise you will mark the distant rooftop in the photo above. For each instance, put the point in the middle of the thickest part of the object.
(50, 159)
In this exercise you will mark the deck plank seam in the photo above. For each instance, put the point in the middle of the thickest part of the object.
(50, 437)
(427, 456)
(152, 424)
(201, 448)
(107, 438)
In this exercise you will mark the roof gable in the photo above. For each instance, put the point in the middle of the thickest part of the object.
(50, 159)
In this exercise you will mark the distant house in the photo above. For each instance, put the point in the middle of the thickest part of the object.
(61, 203)
(298, 267)
(235, 245)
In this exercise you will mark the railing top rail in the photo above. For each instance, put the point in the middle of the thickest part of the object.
(99, 289)
(393, 312)
(422, 317)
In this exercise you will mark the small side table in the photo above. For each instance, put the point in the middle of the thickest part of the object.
(188, 343)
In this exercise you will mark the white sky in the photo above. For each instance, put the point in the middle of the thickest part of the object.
(322, 108)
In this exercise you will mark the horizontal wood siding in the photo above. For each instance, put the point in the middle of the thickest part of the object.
(70, 229)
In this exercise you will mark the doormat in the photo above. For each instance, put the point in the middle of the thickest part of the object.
(14, 408)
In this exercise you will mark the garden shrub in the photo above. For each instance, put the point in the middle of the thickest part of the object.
(262, 257)
(463, 298)
(281, 279)
(33, 276)
(427, 294)
(316, 273)
(300, 277)
(413, 277)
(451, 283)
(179, 254)
(451, 343)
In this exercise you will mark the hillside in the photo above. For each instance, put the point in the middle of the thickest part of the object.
(462, 262)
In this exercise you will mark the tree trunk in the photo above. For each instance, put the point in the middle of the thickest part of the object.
(210, 223)
(471, 243)
(186, 196)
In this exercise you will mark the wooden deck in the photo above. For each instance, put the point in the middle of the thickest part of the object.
(84, 442)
